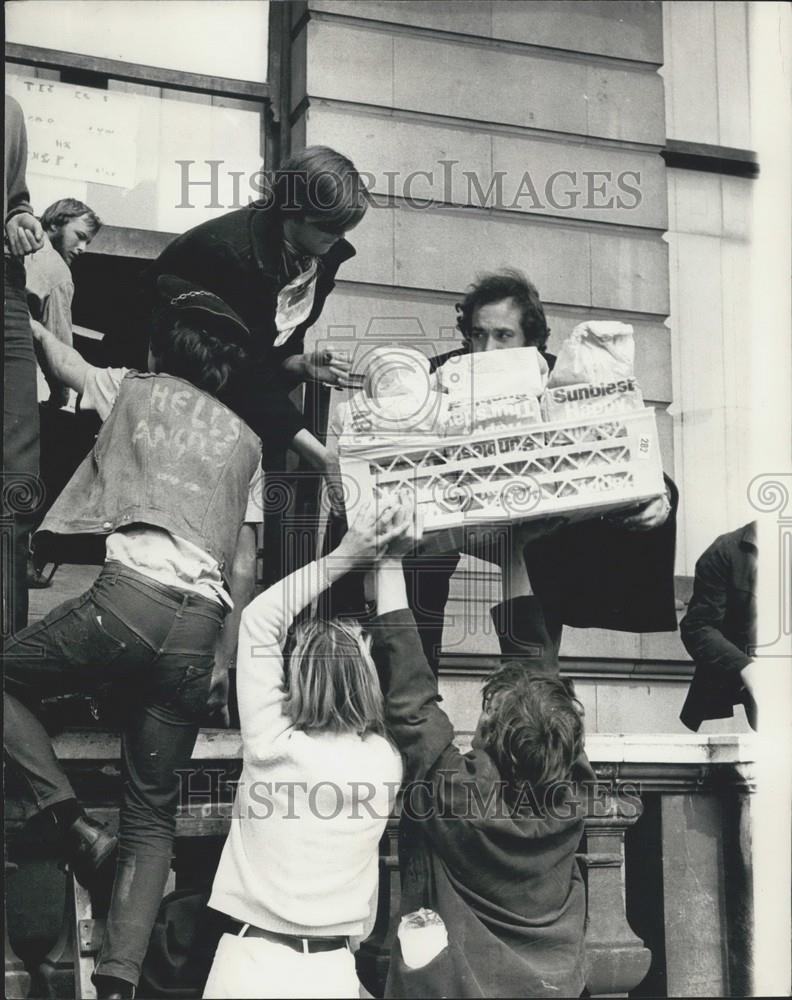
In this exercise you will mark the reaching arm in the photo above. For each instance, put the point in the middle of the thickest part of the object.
(311, 449)
(65, 363)
(325, 365)
(516, 582)
(420, 728)
(242, 586)
(262, 633)
(265, 623)
(23, 230)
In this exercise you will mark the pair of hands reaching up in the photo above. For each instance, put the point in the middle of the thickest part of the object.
(385, 530)
(381, 536)
(392, 528)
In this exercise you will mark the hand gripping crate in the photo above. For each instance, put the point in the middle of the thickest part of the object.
(578, 468)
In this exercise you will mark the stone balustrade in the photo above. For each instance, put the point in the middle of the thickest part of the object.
(671, 821)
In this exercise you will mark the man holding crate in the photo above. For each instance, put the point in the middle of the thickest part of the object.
(614, 572)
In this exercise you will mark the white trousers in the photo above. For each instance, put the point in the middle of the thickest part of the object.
(249, 968)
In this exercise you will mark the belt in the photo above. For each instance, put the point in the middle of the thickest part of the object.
(305, 945)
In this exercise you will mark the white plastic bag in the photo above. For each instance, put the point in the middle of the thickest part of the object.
(598, 351)
(422, 935)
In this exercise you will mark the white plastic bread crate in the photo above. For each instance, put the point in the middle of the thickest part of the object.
(578, 468)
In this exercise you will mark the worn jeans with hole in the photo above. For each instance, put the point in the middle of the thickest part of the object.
(154, 645)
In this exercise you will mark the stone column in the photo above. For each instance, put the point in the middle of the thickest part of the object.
(707, 888)
(17, 979)
(617, 960)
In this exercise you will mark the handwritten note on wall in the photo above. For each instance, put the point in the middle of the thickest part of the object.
(77, 133)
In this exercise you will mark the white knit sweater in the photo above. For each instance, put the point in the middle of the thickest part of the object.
(302, 853)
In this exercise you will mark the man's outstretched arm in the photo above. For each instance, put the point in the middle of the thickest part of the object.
(65, 363)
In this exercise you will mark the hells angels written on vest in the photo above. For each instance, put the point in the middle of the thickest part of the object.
(168, 455)
(182, 420)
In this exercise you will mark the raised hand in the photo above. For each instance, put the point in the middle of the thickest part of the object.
(371, 532)
(217, 702)
(406, 516)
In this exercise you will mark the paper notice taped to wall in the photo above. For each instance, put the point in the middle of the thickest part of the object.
(78, 133)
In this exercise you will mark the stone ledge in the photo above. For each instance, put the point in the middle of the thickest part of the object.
(639, 748)
(612, 748)
(478, 665)
(652, 763)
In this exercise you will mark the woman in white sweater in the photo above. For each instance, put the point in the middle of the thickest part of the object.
(299, 872)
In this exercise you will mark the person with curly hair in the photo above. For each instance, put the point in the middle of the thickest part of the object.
(615, 572)
(488, 837)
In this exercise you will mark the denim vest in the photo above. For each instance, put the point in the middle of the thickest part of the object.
(168, 455)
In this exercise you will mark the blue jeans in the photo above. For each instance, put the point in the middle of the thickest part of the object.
(154, 645)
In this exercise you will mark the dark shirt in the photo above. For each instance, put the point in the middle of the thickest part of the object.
(505, 882)
(719, 628)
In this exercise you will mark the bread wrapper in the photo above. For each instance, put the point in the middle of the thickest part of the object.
(422, 936)
(398, 400)
(579, 402)
(488, 374)
(499, 413)
(492, 390)
(407, 418)
(396, 371)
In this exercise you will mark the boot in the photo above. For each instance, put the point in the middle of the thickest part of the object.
(88, 846)
(110, 988)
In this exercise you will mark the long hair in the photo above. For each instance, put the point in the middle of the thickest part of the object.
(332, 681)
(192, 349)
(321, 182)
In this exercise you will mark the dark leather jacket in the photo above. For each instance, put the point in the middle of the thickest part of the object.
(238, 257)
